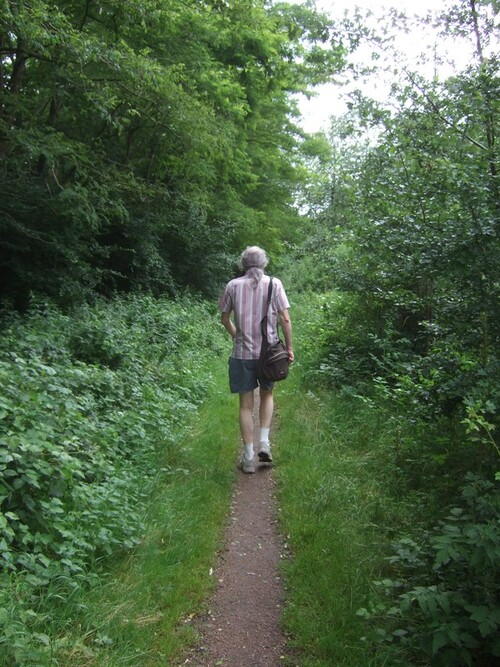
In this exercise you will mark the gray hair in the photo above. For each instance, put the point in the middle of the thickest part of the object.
(253, 261)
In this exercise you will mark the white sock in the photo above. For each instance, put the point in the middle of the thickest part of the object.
(264, 434)
(249, 451)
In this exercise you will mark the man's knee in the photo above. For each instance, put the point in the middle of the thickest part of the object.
(246, 400)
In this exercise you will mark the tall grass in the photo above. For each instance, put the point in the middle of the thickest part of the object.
(394, 541)
(332, 507)
(141, 614)
(332, 504)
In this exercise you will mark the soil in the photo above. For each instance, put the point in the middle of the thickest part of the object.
(242, 625)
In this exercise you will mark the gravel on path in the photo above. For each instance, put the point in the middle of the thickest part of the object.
(242, 625)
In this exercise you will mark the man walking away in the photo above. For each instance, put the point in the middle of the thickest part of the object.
(245, 298)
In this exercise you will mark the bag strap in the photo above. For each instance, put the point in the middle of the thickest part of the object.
(263, 326)
(269, 293)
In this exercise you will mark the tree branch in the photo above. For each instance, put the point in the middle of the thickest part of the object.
(445, 120)
(23, 230)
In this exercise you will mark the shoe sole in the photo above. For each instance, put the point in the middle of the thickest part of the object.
(265, 457)
(247, 470)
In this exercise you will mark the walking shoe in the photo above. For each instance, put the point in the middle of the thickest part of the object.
(264, 452)
(247, 465)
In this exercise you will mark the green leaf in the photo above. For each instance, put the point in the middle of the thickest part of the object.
(439, 640)
(42, 638)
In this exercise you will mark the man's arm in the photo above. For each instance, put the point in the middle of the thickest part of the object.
(228, 325)
(286, 325)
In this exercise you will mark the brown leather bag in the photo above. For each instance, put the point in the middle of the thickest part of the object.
(273, 361)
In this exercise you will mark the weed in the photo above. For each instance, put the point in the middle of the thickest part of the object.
(92, 411)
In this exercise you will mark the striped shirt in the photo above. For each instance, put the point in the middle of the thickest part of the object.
(248, 302)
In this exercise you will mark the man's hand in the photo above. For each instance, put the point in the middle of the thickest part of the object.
(286, 325)
(225, 318)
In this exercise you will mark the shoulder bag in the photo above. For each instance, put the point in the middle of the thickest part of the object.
(273, 360)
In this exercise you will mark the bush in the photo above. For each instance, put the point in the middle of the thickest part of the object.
(91, 402)
(443, 602)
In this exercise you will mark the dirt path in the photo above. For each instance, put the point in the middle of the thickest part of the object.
(242, 628)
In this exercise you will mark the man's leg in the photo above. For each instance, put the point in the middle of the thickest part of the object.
(247, 463)
(265, 415)
(266, 408)
(246, 417)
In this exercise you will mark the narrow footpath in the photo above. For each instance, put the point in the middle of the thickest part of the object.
(242, 625)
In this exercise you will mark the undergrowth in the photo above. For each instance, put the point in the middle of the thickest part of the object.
(93, 409)
(392, 516)
(141, 611)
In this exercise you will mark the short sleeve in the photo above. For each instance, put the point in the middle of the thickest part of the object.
(281, 299)
(226, 301)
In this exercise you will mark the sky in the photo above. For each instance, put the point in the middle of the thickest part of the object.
(329, 99)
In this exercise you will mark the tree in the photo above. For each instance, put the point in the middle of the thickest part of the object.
(124, 144)
(416, 225)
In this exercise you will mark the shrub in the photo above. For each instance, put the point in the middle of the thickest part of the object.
(90, 403)
(443, 604)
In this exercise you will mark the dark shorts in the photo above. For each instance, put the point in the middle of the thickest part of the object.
(243, 376)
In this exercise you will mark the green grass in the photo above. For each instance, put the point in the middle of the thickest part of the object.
(369, 508)
(334, 511)
(349, 479)
(140, 614)
(329, 506)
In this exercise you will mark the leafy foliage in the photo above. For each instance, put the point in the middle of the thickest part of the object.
(90, 403)
(132, 154)
(408, 233)
(406, 253)
(454, 618)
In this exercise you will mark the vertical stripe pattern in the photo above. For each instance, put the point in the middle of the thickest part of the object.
(248, 303)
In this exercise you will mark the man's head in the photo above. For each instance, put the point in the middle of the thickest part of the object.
(253, 257)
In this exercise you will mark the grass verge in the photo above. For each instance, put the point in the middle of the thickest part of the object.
(140, 614)
(330, 509)
(333, 505)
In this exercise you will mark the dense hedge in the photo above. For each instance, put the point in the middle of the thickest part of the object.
(435, 601)
(90, 403)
